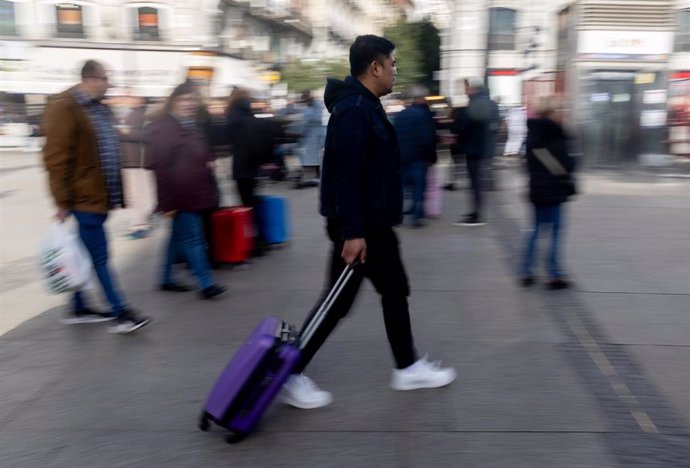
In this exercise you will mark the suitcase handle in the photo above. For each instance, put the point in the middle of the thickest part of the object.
(326, 305)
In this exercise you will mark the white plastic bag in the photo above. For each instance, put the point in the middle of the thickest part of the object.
(65, 263)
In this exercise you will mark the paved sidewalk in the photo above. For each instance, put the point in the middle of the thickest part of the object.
(592, 377)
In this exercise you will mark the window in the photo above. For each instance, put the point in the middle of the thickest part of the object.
(683, 31)
(502, 29)
(69, 20)
(8, 26)
(146, 24)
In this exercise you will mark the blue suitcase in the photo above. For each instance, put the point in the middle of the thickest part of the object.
(272, 219)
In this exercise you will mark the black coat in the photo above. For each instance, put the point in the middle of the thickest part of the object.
(475, 126)
(252, 141)
(361, 185)
(545, 188)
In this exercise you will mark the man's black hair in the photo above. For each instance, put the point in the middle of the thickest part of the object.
(365, 50)
(91, 69)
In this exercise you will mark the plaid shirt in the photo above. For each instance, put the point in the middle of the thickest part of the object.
(108, 140)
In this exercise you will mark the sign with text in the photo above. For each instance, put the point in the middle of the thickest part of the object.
(625, 45)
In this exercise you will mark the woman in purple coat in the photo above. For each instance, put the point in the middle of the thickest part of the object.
(184, 166)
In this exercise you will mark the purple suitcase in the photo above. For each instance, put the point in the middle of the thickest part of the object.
(258, 370)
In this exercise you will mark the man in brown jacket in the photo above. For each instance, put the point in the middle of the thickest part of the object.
(82, 157)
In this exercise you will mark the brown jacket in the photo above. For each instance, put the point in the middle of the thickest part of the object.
(71, 157)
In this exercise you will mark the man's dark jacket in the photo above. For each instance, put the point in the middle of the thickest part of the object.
(361, 185)
(545, 188)
(416, 130)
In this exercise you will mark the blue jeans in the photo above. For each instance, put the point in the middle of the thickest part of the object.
(544, 216)
(414, 180)
(93, 236)
(187, 238)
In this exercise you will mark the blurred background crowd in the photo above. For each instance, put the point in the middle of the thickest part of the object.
(623, 67)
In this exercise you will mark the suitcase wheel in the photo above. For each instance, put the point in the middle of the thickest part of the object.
(204, 423)
(235, 437)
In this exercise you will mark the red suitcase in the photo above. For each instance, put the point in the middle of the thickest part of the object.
(233, 234)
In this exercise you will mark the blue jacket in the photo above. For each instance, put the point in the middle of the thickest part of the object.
(361, 185)
(416, 131)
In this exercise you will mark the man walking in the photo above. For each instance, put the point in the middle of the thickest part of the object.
(474, 129)
(361, 198)
(416, 131)
(82, 157)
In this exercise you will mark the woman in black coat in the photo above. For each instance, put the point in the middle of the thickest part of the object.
(550, 168)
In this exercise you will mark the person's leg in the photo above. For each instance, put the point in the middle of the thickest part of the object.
(531, 243)
(245, 189)
(299, 390)
(171, 256)
(418, 188)
(474, 172)
(188, 232)
(555, 270)
(340, 307)
(93, 236)
(407, 189)
(385, 270)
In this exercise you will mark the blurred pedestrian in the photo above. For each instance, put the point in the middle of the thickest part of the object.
(550, 168)
(416, 131)
(475, 128)
(184, 166)
(83, 160)
(361, 198)
(311, 144)
(252, 143)
(140, 188)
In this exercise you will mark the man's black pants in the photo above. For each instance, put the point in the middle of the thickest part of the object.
(474, 169)
(384, 268)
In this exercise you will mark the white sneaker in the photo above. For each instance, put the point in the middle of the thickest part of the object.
(301, 392)
(422, 374)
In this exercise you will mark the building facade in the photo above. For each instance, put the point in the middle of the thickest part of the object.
(149, 47)
(620, 63)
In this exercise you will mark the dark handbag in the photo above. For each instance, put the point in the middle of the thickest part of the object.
(556, 169)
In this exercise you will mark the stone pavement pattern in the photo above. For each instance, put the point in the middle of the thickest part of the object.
(533, 389)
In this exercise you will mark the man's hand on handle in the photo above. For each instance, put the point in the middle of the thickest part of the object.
(354, 249)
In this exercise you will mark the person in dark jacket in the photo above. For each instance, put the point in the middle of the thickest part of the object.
(361, 198)
(184, 166)
(140, 191)
(550, 168)
(416, 131)
(474, 128)
(252, 142)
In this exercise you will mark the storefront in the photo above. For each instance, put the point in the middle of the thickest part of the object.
(49, 70)
(620, 94)
(679, 113)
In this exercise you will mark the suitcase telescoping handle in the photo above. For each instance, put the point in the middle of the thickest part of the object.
(326, 305)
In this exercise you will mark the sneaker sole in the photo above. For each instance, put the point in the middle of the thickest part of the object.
(419, 386)
(130, 329)
(469, 224)
(76, 321)
(298, 405)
